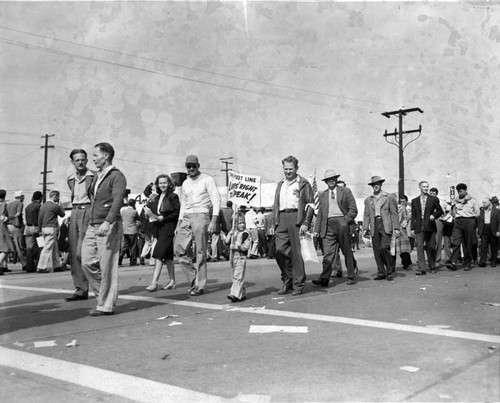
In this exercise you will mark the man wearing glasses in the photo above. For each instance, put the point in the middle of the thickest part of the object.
(200, 206)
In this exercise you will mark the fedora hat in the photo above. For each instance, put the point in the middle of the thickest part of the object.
(18, 193)
(330, 173)
(376, 179)
(494, 199)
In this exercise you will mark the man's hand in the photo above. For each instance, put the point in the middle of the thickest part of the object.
(213, 224)
(303, 229)
(103, 229)
(432, 218)
(413, 233)
(316, 234)
(397, 233)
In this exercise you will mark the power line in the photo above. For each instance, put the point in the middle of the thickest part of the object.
(189, 67)
(268, 94)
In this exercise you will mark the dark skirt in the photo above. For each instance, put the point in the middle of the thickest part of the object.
(164, 248)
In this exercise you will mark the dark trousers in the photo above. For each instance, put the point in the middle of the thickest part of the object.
(463, 233)
(32, 249)
(488, 241)
(263, 247)
(426, 241)
(337, 235)
(129, 245)
(271, 243)
(381, 245)
(288, 255)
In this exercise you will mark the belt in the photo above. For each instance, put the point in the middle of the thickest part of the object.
(81, 206)
(289, 210)
(456, 218)
(29, 225)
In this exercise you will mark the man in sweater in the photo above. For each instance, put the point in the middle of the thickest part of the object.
(49, 226)
(200, 207)
(101, 245)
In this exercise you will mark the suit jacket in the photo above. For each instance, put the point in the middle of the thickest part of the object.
(131, 220)
(169, 209)
(347, 205)
(388, 212)
(432, 207)
(305, 197)
(494, 221)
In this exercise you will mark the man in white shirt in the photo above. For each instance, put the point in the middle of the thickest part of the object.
(251, 226)
(293, 194)
(200, 206)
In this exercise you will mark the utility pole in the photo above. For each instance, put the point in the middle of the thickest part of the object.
(227, 162)
(45, 162)
(399, 136)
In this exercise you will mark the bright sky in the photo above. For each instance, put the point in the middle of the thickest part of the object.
(255, 81)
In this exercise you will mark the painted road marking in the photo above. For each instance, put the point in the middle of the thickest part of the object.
(126, 386)
(488, 338)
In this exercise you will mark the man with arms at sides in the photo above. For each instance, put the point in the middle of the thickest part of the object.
(199, 200)
(337, 211)
(32, 231)
(488, 229)
(293, 195)
(101, 245)
(466, 210)
(16, 226)
(80, 185)
(425, 210)
(49, 227)
(380, 220)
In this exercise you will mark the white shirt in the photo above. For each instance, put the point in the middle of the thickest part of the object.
(289, 194)
(199, 195)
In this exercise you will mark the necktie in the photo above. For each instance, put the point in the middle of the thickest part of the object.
(333, 194)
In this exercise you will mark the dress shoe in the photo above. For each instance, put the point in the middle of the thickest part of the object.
(42, 271)
(76, 297)
(95, 312)
(320, 282)
(197, 292)
(192, 287)
(468, 267)
(58, 269)
(451, 266)
(297, 292)
(285, 289)
(170, 285)
(420, 273)
(152, 287)
(232, 298)
(389, 277)
(482, 264)
(350, 281)
(493, 265)
(379, 277)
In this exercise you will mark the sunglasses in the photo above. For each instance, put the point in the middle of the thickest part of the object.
(191, 166)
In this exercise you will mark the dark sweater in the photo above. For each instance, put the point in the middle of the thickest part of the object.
(108, 199)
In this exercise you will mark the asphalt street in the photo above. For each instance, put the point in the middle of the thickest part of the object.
(429, 338)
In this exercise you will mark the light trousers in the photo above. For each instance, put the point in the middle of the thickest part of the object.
(49, 256)
(100, 264)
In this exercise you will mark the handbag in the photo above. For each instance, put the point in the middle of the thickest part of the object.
(307, 248)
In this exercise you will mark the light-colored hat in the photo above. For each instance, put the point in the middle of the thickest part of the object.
(192, 159)
(330, 173)
(376, 179)
(18, 193)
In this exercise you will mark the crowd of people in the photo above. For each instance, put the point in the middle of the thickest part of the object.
(184, 221)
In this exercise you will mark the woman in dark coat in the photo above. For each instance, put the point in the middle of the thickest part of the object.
(164, 211)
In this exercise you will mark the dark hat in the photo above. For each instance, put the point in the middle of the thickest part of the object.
(376, 179)
(330, 173)
(192, 159)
